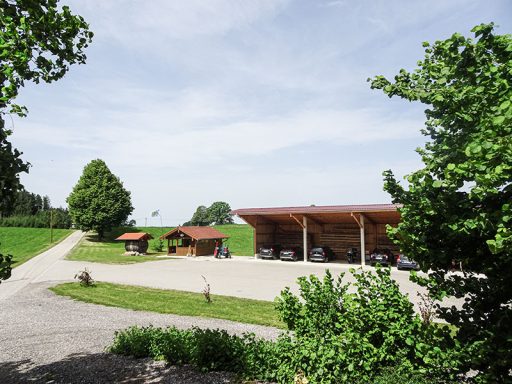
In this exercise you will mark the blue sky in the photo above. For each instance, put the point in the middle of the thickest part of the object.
(257, 103)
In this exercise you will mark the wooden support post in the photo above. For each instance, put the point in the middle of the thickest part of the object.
(360, 222)
(255, 237)
(363, 250)
(305, 237)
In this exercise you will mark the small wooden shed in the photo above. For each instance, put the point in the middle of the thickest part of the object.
(193, 241)
(135, 242)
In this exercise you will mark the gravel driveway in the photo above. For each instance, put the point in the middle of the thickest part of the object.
(48, 338)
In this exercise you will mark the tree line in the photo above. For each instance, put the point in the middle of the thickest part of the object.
(26, 209)
(216, 214)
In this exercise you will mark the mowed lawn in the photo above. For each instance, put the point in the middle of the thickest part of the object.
(109, 251)
(175, 302)
(25, 243)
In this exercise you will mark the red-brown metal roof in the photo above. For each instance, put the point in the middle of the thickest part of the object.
(197, 233)
(318, 209)
(135, 236)
(330, 214)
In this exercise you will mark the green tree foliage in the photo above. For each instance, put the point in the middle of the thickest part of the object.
(99, 201)
(459, 205)
(11, 166)
(27, 203)
(219, 213)
(38, 42)
(59, 217)
(200, 217)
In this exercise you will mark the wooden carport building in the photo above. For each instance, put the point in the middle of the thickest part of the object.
(192, 241)
(338, 226)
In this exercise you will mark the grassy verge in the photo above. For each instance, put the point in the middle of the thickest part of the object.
(175, 302)
(25, 243)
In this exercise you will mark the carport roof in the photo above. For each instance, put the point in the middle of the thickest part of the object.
(377, 213)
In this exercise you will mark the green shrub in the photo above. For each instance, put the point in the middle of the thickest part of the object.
(337, 336)
(158, 245)
(134, 341)
(261, 358)
(172, 345)
(340, 336)
(216, 350)
(393, 375)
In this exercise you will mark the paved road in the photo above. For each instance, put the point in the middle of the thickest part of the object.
(38, 266)
(242, 276)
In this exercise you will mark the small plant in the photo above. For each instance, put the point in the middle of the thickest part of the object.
(158, 246)
(206, 291)
(427, 308)
(5, 266)
(85, 278)
(300, 378)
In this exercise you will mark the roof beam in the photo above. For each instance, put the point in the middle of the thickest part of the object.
(356, 219)
(297, 220)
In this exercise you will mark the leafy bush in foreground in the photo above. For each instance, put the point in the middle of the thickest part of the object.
(340, 336)
(207, 350)
(336, 336)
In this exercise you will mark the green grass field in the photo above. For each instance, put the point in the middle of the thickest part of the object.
(240, 240)
(25, 243)
(175, 302)
(110, 251)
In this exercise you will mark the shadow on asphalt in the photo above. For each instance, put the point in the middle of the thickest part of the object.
(104, 368)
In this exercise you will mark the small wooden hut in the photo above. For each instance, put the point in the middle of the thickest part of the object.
(135, 242)
(193, 241)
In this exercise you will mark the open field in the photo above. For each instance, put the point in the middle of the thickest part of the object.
(176, 302)
(25, 243)
(240, 240)
(110, 251)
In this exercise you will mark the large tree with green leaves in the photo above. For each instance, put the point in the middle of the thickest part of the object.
(99, 201)
(458, 207)
(220, 213)
(38, 42)
(200, 217)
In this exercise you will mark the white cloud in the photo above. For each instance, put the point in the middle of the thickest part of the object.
(180, 95)
(143, 23)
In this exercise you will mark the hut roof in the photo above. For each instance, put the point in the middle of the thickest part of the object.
(197, 233)
(135, 236)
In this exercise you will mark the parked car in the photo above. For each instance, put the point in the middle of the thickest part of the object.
(383, 257)
(321, 253)
(291, 253)
(403, 262)
(270, 251)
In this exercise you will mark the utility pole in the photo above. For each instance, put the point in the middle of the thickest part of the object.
(51, 226)
(145, 221)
